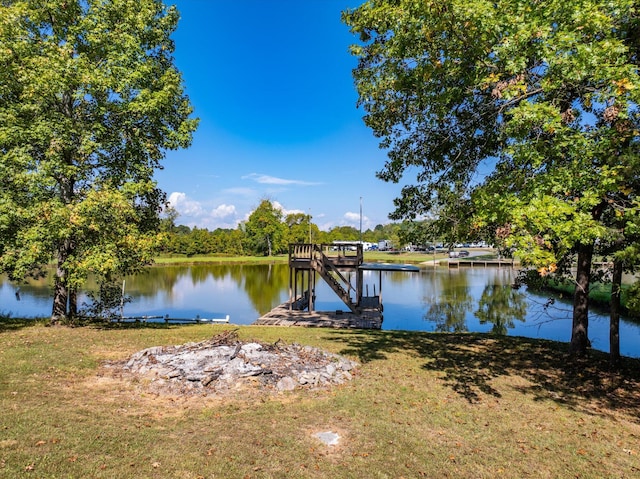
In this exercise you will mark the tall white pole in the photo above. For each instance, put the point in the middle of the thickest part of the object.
(361, 220)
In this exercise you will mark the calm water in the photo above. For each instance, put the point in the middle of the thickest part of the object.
(478, 300)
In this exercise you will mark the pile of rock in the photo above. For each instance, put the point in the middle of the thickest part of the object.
(224, 363)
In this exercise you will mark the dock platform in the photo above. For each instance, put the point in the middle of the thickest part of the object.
(283, 316)
(474, 263)
(335, 264)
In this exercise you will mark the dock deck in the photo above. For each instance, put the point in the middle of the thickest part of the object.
(283, 316)
(331, 261)
(474, 263)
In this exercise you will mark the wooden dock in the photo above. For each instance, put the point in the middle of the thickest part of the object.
(283, 316)
(334, 263)
(481, 263)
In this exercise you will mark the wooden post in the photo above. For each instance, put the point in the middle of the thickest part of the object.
(291, 279)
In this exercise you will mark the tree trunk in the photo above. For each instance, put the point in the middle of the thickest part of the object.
(614, 321)
(580, 329)
(60, 291)
(66, 246)
(60, 297)
(73, 303)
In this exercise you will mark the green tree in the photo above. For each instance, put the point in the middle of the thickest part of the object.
(301, 229)
(265, 231)
(90, 100)
(532, 105)
(344, 233)
(168, 219)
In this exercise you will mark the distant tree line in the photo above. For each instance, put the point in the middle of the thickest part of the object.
(268, 231)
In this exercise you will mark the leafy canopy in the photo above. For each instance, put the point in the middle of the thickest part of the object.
(90, 101)
(533, 105)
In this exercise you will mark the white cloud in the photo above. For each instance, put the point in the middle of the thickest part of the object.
(285, 211)
(184, 205)
(325, 226)
(224, 211)
(194, 213)
(353, 219)
(272, 180)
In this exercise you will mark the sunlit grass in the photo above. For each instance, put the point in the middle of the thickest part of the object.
(400, 256)
(420, 405)
(184, 259)
(599, 293)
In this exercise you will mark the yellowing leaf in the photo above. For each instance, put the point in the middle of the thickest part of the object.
(624, 85)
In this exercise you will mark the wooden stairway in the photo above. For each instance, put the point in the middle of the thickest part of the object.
(332, 276)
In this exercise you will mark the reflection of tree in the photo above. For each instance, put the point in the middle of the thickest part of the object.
(500, 305)
(398, 277)
(41, 288)
(450, 302)
(263, 283)
(155, 279)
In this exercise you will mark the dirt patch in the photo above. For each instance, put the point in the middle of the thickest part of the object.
(224, 364)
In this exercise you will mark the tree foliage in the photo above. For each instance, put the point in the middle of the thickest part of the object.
(90, 100)
(268, 221)
(265, 230)
(533, 105)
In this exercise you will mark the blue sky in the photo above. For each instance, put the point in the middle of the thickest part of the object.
(271, 83)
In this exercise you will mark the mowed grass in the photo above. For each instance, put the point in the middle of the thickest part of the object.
(380, 256)
(420, 405)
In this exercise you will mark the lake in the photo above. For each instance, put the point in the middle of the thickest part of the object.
(440, 299)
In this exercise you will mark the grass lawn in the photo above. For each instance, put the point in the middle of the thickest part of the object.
(397, 257)
(420, 405)
(599, 293)
(184, 259)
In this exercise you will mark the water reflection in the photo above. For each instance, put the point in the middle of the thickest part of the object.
(449, 301)
(478, 300)
(243, 291)
(451, 295)
(501, 306)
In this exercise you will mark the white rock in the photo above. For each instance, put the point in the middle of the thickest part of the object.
(286, 384)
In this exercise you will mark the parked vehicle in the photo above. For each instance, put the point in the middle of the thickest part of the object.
(384, 245)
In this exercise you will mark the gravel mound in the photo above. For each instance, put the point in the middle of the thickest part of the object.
(223, 364)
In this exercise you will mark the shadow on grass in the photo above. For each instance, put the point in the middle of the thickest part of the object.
(469, 363)
(13, 324)
(8, 323)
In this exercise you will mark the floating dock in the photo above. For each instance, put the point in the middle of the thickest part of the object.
(167, 319)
